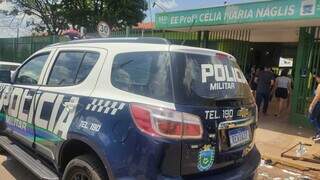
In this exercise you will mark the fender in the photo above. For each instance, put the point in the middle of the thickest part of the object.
(102, 156)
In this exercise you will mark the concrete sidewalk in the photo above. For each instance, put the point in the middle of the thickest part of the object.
(276, 135)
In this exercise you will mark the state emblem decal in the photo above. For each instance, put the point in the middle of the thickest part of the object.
(206, 158)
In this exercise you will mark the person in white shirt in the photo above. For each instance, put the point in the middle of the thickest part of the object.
(314, 109)
(283, 90)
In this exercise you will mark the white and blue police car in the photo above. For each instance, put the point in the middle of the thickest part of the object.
(129, 108)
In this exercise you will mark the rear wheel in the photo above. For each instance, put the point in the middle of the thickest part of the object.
(85, 167)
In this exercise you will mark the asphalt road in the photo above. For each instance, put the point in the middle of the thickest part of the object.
(10, 169)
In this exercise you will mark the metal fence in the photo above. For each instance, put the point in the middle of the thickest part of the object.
(235, 42)
(231, 41)
(17, 50)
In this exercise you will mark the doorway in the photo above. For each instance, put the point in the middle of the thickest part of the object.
(278, 56)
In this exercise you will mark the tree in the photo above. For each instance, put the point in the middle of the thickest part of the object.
(56, 15)
(117, 13)
(48, 11)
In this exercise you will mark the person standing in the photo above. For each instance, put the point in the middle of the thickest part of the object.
(314, 109)
(283, 89)
(265, 82)
(253, 80)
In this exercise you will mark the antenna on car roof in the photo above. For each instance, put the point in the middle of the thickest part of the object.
(190, 28)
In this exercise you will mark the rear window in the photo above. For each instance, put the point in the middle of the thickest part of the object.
(143, 73)
(197, 79)
(202, 79)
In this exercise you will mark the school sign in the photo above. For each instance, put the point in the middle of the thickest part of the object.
(274, 10)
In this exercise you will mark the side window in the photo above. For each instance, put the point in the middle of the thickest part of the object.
(72, 68)
(143, 73)
(89, 60)
(29, 73)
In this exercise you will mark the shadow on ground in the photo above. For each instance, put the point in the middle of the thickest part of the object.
(11, 169)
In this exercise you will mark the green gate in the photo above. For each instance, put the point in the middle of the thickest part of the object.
(308, 63)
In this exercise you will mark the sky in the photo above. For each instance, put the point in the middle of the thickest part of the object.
(8, 25)
(176, 5)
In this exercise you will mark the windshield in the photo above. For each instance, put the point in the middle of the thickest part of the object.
(202, 78)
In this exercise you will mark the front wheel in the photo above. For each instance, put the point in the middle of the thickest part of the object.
(85, 167)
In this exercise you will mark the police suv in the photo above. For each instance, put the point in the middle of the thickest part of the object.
(132, 108)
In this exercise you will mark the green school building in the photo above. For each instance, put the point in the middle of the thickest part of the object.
(277, 33)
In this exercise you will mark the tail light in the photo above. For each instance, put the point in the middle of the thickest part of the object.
(160, 122)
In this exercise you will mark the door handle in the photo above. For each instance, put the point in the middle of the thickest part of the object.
(28, 97)
(69, 106)
(5, 94)
(7, 91)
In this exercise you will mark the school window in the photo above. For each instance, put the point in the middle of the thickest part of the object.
(72, 68)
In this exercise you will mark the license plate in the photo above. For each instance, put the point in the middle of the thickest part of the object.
(239, 136)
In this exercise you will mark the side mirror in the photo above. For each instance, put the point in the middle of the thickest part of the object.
(5, 76)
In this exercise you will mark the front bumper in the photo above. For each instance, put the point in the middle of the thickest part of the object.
(246, 170)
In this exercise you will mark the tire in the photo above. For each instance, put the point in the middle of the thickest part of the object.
(88, 167)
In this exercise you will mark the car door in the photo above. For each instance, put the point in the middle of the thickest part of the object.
(69, 81)
(22, 97)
